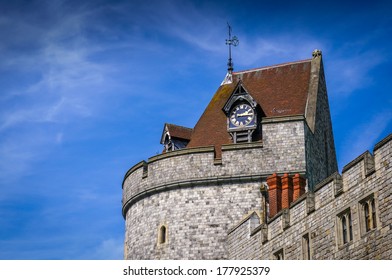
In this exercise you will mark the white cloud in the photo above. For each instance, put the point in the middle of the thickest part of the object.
(275, 49)
(349, 71)
(364, 136)
(58, 84)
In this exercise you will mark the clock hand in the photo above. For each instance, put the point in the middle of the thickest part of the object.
(244, 114)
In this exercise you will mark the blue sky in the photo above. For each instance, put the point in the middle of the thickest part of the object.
(86, 87)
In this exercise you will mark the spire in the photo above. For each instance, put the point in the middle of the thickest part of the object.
(230, 65)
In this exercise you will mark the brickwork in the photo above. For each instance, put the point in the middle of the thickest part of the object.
(364, 177)
(287, 190)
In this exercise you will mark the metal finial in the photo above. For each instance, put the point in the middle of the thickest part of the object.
(231, 41)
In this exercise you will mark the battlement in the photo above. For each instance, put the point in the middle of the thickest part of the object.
(315, 217)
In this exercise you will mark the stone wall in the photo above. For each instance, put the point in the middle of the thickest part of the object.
(248, 233)
(197, 220)
(199, 198)
(320, 148)
(316, 215)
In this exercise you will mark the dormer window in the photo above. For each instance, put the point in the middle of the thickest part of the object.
(175, 137)
(241, 115)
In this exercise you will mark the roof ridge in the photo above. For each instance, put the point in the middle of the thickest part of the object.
(271, 66)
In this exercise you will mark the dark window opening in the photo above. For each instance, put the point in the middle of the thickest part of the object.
(162, 235)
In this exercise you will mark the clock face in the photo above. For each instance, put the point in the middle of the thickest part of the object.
(241, 115)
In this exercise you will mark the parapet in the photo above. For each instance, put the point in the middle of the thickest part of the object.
(314, 213)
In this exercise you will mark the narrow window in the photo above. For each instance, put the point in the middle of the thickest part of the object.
(350, 226)
(306, 247)
(367, 217)
(374, 214)
(279, 255)
(368, 214)
(344, 229)
(162, 235)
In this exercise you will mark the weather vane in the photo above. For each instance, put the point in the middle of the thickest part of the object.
(231, 41)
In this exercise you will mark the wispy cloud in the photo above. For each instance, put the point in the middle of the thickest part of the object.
(59, 83)
(362, 137)
(272, 49)
(349, 70)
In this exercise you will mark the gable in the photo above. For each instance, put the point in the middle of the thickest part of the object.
(240, 93)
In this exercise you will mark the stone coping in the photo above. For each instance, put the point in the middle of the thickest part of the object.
(355, 161)
(196, 150)
(383, 142)
(243, 220)
(367, 153)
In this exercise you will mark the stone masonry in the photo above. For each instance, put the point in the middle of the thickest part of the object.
(316, 215)
(278, 195)
(200, 198)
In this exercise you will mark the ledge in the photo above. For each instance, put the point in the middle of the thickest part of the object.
(290, 118)
(185, 151)
(242, 146)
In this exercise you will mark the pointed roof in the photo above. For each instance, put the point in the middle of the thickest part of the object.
(176, 131)
(280, 90)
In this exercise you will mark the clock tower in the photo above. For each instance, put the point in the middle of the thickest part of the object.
(264, 139)
(241, 111)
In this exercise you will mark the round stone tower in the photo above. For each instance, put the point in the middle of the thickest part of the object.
(182, 203)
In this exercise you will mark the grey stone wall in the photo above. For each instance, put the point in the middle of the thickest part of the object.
(316, 214)
(197, 220)
(320, 148)
(247, 232)
(200, 198)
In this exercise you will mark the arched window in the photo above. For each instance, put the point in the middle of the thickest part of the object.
(345, 227)
(368, 214)
(162, 235)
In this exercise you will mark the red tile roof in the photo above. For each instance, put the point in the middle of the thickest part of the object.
(180, 132)
(280, 90)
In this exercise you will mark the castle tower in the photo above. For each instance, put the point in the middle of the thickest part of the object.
(266, 129)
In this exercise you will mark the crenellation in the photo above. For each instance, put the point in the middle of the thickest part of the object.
(323, 223)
